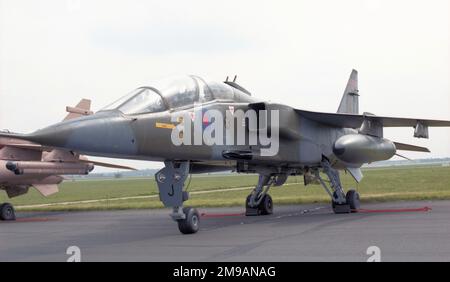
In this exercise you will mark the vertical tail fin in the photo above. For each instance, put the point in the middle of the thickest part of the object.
(349, 103)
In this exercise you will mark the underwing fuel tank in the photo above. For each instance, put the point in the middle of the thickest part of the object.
(360, 148)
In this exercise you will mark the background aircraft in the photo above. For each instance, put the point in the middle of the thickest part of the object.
(141, 126)
(24, 164)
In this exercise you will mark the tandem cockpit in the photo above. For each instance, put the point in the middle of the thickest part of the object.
(177, 92)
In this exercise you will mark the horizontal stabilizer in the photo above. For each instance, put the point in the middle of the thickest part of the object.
(407, 147)
(46, 189)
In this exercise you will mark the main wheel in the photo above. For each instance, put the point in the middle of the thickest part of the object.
(339, 208)
(7, 212)
(191, 223)
(251, 210)
(352, 198)
(266, 205)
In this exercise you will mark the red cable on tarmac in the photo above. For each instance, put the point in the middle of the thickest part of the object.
(212, 215)
(36, 219)
(424, 209)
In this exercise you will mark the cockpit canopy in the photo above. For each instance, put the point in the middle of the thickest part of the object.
(175, 92)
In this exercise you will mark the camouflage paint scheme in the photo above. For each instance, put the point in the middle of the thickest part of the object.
(139, 126)
(305, 137)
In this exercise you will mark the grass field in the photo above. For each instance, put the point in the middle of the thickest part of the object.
(387, 184)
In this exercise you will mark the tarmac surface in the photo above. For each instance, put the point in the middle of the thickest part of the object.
(292, 233)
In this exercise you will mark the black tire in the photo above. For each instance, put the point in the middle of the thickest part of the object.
(352, 198)
(191, 223)
(7, 212)
(249, 210)
(266, 205)
(340, 208)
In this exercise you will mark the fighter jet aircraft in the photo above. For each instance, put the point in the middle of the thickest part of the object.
(24, 164)
(194, 126)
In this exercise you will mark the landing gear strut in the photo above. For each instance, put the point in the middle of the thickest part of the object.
(340, 201)
(7, 212)
(170, 181)
(259, 202)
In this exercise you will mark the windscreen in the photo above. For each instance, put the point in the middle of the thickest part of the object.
(144, 101)
(178, 91)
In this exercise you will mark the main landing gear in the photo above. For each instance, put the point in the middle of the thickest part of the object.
(259, 202)
(341, 202)
(170, 181)
(7, 212)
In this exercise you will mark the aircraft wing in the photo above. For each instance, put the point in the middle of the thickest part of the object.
(355, 121)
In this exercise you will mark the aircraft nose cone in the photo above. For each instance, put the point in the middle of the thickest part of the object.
(54, 135)
(96, 134)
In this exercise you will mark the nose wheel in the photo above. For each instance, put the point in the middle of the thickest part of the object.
(190, 224)
(170, 181)
(7, 212)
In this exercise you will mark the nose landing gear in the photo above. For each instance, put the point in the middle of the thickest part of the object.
(170, 181)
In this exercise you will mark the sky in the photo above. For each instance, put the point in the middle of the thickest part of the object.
(300, 53)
